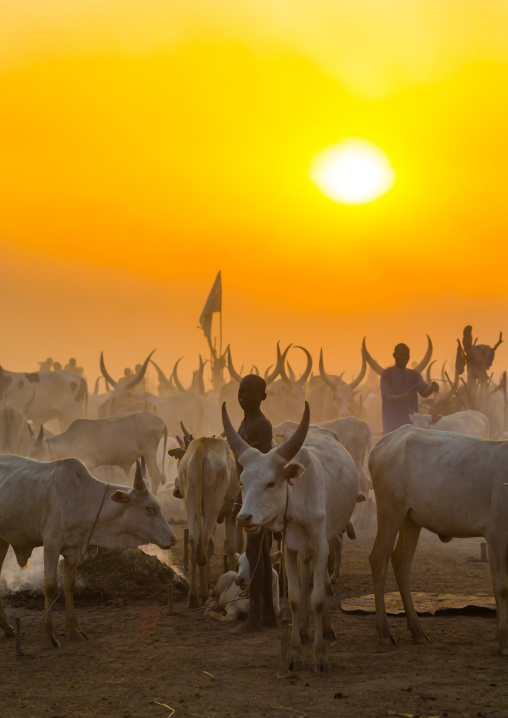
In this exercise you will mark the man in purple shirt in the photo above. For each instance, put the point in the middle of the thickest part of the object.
(399, 390)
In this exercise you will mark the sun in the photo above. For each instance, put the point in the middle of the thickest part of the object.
(354, 171)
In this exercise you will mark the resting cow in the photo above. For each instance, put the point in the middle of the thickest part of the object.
(450, 484)
(311, 511)
(62, 507)
(468, 423)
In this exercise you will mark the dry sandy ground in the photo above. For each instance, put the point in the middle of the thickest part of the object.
(138, 657)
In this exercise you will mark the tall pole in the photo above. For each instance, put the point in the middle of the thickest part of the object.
(220, 331)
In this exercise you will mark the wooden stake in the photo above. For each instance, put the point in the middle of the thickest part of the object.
(19, 652)
(186, 550)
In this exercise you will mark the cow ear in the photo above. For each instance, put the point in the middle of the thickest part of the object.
(293, 470)
(120, 497)
(436, 418)
(177, 453)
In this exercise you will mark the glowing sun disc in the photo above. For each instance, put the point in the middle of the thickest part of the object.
(353, 171)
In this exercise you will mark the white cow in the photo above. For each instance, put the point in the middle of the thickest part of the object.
(117, 441)
(468, 423)
(61, 506)
(450, 484)
(311, 511)
(209, 486)
(228, 589)
(58, 395)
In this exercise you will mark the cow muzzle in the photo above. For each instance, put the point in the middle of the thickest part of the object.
(245, 522)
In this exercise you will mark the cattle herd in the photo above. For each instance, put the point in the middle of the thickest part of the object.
(447, 472)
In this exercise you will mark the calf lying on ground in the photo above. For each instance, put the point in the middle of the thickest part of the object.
(228, 590)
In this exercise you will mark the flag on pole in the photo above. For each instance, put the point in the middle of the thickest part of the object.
(213, 304)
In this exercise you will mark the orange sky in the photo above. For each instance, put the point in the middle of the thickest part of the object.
(146, 144)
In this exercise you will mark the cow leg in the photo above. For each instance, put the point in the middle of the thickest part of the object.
(4, 624)
(192, 599)
(379, 559)
(337, 545)
(402, 559)
(317, 603)
(498, 568)
(294, 592)
(69, 576)
(51, 555)
(304, 565)
(254, 553)
(155, 474)
(328, 632)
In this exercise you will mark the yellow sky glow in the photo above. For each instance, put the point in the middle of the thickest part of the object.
(147, 144)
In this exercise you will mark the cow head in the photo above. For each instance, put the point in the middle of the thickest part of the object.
(243, 578)
(265, 477)
(136, 521)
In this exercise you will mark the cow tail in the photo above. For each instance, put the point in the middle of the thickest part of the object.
(201, 554)
(165, 433)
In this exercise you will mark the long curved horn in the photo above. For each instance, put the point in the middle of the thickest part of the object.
(429, 378)
(292, 446)
(254, 370)
(281, 358)
(324, 376)
(301, 381)
(139, 482)
(187, 434)
(175, 378)
(428, 354)
(105, 373)
(362, 373)
(163, 380)
(235, 441)
(231, 369)
(370, 360)
(139, 376)
(443, 372)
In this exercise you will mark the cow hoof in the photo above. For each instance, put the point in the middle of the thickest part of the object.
(248, 627)
(295, 665)
(321, 668)
(329, 635)
(387, 641)
(9, 631)
(304, 638)
(78, 636)
(193, 602)
(421, 640)
(50, 643)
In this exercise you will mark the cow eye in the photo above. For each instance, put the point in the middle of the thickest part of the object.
(270, 485)
(151, 510)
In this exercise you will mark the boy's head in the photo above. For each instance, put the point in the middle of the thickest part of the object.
(401, 355)
(251, 392)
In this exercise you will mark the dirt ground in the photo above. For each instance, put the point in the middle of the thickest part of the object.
(142, 662)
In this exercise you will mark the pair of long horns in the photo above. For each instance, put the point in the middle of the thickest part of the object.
(126, 387)
(174, 383)
(291, 380)
(286, 451)
(269, 377)
(379, 369)
(332, 384)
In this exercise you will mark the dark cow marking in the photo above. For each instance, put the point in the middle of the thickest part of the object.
(4, 382)
(33, 378)
(21, 384)
(74, 385)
